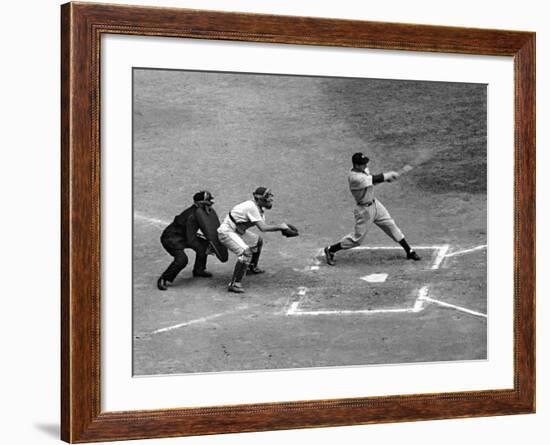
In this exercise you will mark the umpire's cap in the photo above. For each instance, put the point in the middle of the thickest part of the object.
(203, 196)
(359, 158)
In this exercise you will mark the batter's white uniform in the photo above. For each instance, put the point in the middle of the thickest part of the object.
(237, 238)
(368, 211)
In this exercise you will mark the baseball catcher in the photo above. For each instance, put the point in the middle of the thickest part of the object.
(235, 234)
(368, 210)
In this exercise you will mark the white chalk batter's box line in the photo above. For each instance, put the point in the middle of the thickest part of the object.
(439, 257)
(422, 298)
(419, 305)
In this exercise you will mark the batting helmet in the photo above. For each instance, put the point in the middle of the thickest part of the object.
(359, 159)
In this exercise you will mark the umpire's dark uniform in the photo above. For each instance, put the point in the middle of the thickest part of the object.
(182, 234)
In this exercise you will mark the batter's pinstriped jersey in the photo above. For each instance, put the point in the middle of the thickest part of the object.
(361, 186)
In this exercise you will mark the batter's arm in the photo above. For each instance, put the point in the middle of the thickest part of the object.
(385, 177)
(377, 179)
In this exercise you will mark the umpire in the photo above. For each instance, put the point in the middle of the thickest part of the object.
(182, 234)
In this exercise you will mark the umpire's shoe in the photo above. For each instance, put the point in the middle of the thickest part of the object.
(329, 256)
(161, 284)
(412, 255)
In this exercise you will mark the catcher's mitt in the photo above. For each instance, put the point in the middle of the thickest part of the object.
(290, 232)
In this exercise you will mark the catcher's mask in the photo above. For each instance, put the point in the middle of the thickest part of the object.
(203, 199)
(263, 197)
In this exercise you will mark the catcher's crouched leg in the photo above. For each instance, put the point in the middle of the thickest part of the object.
(256, 252)
(239, 272)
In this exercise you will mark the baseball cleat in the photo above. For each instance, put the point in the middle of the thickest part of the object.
(236, 288)
(161, 284)
(202, 274)
(329, 256)
(254, 270)
(412, 255)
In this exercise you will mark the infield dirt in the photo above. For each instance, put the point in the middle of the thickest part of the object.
(229, 133)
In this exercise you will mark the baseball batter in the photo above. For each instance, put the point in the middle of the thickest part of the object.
(234, 233)
(369, 210)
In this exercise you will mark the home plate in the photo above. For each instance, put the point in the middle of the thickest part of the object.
(375, 277)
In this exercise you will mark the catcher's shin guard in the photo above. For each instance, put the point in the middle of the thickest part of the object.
(253, 267)
(239, 272)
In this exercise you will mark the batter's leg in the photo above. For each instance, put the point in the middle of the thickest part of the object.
(411, 254)
(387, 224)
(363, 219)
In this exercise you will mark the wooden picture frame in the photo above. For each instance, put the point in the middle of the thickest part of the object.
(82, 26)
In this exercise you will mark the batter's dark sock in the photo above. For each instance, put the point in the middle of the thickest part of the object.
(335, 248)
(405, 245)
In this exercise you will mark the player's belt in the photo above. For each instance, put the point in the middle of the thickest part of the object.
(240, 228)
(231, 218)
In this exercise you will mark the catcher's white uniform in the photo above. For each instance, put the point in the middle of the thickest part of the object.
(233, 232)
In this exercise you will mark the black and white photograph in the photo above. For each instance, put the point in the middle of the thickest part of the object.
(287, 222)
(398, 301)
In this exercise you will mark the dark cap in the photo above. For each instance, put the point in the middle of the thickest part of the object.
(359, 158)
(202, 196)
(262, 191)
